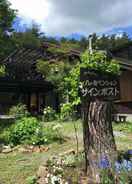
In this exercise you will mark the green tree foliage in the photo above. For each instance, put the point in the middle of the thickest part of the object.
(58, 67)
(2, 71)
(7, 16)
(55, 72)
(64, 47)
(29, 38)
(97, 61)
(105, 42)
(100, 62)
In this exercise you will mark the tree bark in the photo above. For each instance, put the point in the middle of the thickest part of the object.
(97, 133)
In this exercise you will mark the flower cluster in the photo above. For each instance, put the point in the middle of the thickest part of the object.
(57, 167)
(49, 114)
(56, 171)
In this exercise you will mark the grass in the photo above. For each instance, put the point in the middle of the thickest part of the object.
(16, 167)
(123, 127)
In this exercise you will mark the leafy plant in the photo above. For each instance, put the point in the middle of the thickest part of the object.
(109, 176)
(53, 133)
(97, 61)
(27, 131)
(19, 111)
(57, 128)
(4, 136)
(100, 62)
(66, 111)
(49, 114)
(31, 180)
(2, 71)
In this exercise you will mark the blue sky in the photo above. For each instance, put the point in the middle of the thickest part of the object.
(66, 17)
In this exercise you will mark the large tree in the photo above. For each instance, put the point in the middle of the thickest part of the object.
(7, 16)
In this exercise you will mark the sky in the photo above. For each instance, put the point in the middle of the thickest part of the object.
(66, 17)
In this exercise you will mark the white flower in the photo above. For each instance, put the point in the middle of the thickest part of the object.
(54, 179)
(46, 180)
(45, 112)
(45, 140)
(37, 130)
(58, 126)
(48, 175)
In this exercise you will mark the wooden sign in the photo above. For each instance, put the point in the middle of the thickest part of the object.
(96, 85)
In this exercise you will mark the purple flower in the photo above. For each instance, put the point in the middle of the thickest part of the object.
(130, 152)
(104, 162)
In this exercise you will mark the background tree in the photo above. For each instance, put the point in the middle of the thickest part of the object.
(7, 16)
(55, 72)
(2, 70)
(31, 37)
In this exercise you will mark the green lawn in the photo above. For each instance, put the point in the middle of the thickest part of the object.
(16, 167)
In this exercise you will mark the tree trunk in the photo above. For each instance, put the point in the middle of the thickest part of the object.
(97, 133)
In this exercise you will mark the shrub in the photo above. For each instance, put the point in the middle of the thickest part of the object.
(66, 112)
(19, 111)
(53, 133)
(49, 114)
(4, 136)
(27, 131)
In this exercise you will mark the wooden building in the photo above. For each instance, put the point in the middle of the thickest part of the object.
(124, 56)
(24, 84)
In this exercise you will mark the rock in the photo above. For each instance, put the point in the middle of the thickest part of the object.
(36, 149)
(42, 172)
(7, 150)
(6, 147)
(44, 149)
(1, 148)
(119, 134)
(72, 151)
(42, 175)
(24, 150)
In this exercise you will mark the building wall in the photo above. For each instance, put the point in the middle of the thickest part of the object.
(126, 86)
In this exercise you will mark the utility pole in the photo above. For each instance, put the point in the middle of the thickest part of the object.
(90, 44)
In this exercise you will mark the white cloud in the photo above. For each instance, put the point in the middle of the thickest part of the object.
(63, 17)
(37, 10)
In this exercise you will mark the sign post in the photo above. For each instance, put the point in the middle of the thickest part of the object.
(96, 85)
(98, 91)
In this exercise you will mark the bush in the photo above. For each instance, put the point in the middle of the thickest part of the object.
(66, 112)
(53, 133)
(19, 111)
(27, 131)
(4, 136)
(49, 114)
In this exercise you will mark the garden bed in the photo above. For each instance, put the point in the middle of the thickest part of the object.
(17, 167)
